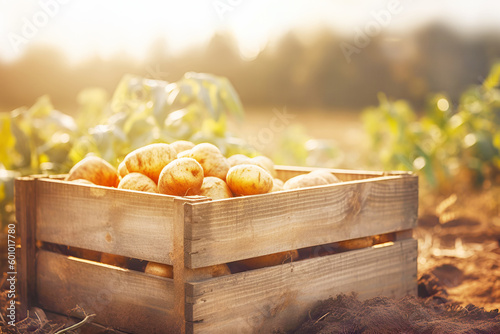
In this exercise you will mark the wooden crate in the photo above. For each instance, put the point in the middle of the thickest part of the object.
(197, 232)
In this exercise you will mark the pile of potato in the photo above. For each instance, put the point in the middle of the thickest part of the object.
(185, 169)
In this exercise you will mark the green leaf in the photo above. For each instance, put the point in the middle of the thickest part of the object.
(8, 141)
(493, 79)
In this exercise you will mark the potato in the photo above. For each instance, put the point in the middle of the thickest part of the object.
(266, 163)
(214, 188)
(122, 169)
(96, 170)
(114, 260)
(303, 181)
(249, 180)
(86, 254)
(159, 269)
(210, 158)
(329, 177)
(269, 260)
(180, 177)
(182, 145)
(207, 272)
(237, 159)
(150, 160)
(139, 182)
(277, 185)
(167, 271)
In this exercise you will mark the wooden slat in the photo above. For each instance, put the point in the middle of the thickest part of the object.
(245, 227)
(126, 300)
(181, 273)
(286, 172)
(115, 221)
(261, 301)
(25, 218)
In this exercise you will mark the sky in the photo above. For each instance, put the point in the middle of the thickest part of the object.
(83, 28)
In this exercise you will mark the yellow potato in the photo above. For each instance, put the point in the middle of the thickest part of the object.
(139, 182)
(96, 170)
(165, 270)
(329, 177)
(159, 269)
(207, 272)
(182, 145)
(122, 169)
(114, 260)
(266, 163)
(304, 181)
(277, 185)
(237, 159)
(210, 158)
(249, 180)
(180, 177)
(150, 160)
(86, 254)
(269, 260)
(214, 188)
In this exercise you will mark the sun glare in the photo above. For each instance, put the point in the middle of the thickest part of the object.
(107, 28)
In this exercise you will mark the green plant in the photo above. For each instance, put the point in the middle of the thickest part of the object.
(446, 143)
(141, 111)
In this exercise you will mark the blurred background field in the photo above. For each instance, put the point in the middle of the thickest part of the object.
(383, 85)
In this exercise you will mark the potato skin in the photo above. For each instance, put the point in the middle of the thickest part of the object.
(214, 188)
(207, 272)
(114, 260)
(139, 182)
(304, 181)
(210, 158)
(182, 145)
(159, 269)
(249, 180)
(122, 169)
(277, 185)
(167, 271)
(150, 160)
(265, 163)
(181, 177)
(237, 159)
(329, 177)
(96, 170)
(268, 260)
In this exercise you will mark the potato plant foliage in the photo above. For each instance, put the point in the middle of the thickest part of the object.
(41, 139)
(446, 144)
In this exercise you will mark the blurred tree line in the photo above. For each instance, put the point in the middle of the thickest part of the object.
(292, 72)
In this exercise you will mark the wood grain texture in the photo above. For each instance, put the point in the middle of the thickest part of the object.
(251, 226)
(267, 299)
(286, 172)
(25, 202)
(127, 223)
(181, 274)
(126, 300)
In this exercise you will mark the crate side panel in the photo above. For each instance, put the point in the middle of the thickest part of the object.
(127, 223)
(231, 230)
(123, 299)
(264, 300)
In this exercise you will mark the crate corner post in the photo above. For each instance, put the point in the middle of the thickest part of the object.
(25, 203)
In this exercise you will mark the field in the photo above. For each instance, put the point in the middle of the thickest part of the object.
(458, 234)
